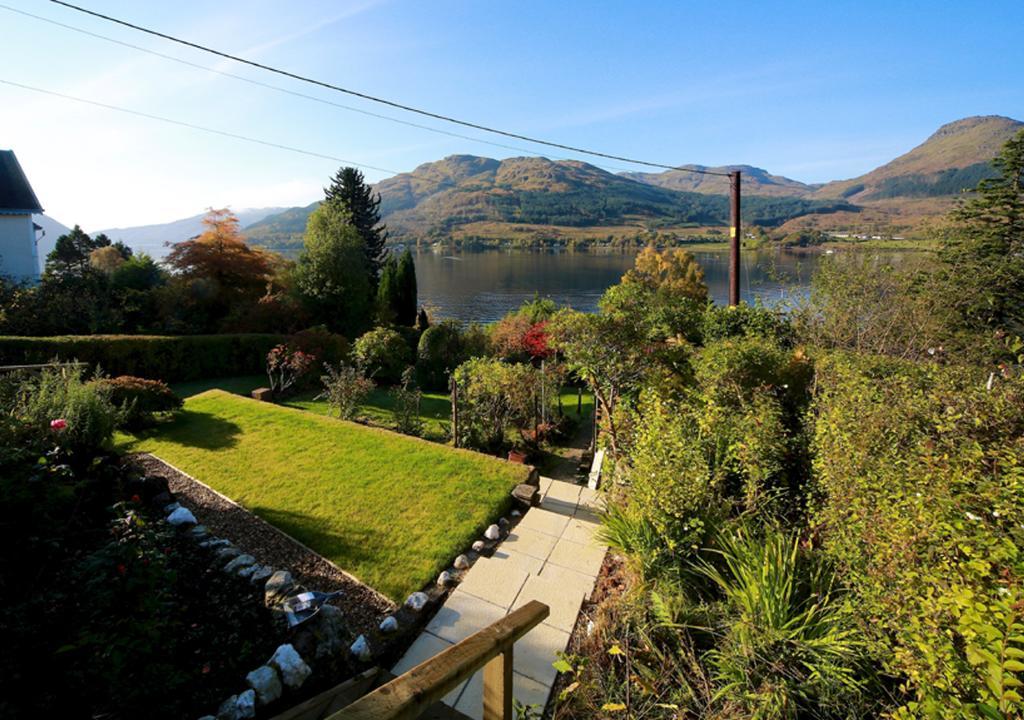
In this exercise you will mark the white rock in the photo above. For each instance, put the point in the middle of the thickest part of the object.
(417, 601)
(517, 513)
(228, 709)
(246, 704)
(479, 546)
(181, 516)
(214, 542)
(492, 533)
(266, 683)
(238, 563)
(248, 570)
(199, 531)
(290, 664)
(461, 562)
(444, 579)
(361, 649)
(260, 573)
(389, 624)
(171, 507)
(503, 522)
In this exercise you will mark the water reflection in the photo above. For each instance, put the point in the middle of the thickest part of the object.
(483, 286)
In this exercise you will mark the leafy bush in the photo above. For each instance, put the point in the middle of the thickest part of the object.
(287, 366)
(493, 398)
(60, 408)
(167, 358)
(383, 353)
(441, 350)
(727, 321)
(320, 342)
(920, 504)
(344, 388)
(139, 398)
(728, 443)
(405, 404)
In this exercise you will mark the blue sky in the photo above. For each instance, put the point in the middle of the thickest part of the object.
(815, 91)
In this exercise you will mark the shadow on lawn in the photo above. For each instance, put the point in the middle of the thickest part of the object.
(193, 429)
(351, 548)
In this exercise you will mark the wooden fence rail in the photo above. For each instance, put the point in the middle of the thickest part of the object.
(410, 695)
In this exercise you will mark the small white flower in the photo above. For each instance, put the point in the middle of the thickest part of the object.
(972, 516)
(1003, 591)
(995, 513)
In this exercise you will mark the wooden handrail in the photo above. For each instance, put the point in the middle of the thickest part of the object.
(409, 695)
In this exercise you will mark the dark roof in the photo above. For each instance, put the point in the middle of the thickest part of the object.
(15, 192)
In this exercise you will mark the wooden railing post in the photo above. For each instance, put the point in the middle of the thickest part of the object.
(498, 687)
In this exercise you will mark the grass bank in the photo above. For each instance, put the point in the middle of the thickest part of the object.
(390, 509)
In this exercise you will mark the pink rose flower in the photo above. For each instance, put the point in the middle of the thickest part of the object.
(58, 424)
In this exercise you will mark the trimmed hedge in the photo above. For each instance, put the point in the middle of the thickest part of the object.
(160, 357)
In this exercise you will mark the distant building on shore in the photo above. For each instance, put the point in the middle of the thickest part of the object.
(19, 256)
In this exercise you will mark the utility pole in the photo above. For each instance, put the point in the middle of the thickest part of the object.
(734, 238)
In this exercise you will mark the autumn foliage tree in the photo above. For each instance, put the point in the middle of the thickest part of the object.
(219, 270)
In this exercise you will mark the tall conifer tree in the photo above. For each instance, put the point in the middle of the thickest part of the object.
(349, 190)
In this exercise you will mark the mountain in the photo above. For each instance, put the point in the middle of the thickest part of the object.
(756, 182)
(915, 192)
(470, 197)
(954, 158)
(153, 239)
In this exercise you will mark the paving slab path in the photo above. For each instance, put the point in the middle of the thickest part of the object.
(552, 556)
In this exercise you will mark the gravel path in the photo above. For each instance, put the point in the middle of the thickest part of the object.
(363, 606)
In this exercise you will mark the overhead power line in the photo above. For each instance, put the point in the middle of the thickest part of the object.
(222, 133)
(380, 100)
(278, 88)
(193, 126)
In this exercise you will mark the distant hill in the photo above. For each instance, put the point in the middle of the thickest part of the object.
(467, 195)
(756, 182)
(153, 239)
(954, 158)
(915, 192)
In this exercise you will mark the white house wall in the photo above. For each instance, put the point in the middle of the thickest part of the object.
(18, 257)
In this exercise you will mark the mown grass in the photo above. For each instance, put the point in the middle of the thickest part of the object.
(390, 509)
(435, 408)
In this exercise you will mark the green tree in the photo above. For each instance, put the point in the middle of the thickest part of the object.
(70, 254)
(348, 190)
(330, 275)
(387, 290)
(985, 255)
(406, 295)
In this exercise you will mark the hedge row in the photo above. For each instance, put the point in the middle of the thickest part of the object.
(168, 358)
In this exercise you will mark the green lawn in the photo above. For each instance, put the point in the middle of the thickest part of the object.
(435, 411)
(390, 509)
(435, 408)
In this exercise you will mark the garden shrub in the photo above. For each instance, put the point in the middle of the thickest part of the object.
(728, 321)
(344, 388)
(59, 407)
(383, 353)
(440, 351)
(405, 404)
(494, 398)
(162, 357)
(320, 342)
(728, 443)
(288, 368)
(139, 398)
(920, 503)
